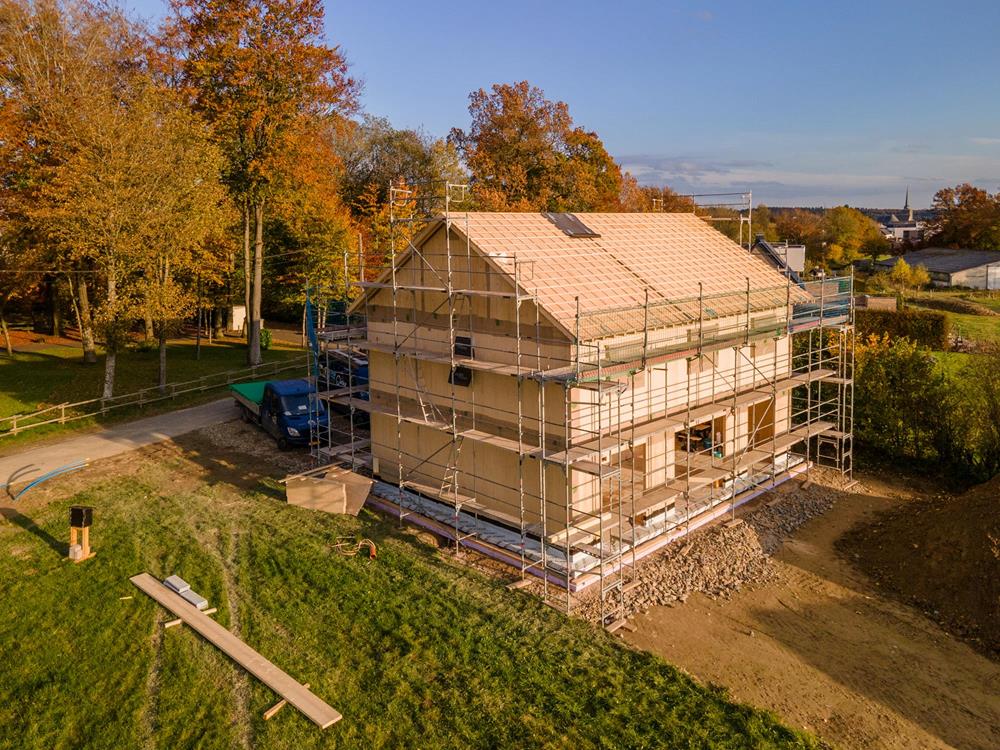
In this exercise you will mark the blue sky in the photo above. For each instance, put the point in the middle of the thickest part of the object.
(805, 103)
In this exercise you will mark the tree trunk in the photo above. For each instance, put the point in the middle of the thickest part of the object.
(86, 322)
(258, 278)
(163, 356)
(246, 274)
(6, 333)
(150, 329)
(217, 322)
(58, 326)
(110, 342)
(110, 359)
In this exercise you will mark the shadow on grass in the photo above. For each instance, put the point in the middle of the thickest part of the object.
(262, 476)
(19, 519)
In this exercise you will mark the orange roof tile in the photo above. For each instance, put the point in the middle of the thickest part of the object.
(667, 254)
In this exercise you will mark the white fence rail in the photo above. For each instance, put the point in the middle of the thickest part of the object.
(69, 412)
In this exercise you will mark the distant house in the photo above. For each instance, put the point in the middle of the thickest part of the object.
(904, 230)
(978, 269)
(869, 302)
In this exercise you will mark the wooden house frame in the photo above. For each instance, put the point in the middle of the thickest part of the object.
(569, 435)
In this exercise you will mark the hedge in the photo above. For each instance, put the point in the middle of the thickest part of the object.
(925, 327)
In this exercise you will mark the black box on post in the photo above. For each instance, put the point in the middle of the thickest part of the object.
(81, 516)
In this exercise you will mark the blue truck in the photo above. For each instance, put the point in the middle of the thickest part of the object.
(287, 409)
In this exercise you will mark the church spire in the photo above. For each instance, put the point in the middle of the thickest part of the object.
(906, 206)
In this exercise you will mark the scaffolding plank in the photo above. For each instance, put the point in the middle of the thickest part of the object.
(704, 413)
(598, 470)
(498, 441)
(444, 359)
(753, 397)
(342, 333)
(317, 710)
(655, 500)
(367, 406)
(466, 501)
(803, 378)
(813, 428)
(588, 526)
(338, 392)
(337, 450)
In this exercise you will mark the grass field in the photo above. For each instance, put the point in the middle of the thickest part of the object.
(414, 649)
(37, 379)
(972, 327)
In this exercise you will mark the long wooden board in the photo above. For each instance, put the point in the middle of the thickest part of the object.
(280, 682)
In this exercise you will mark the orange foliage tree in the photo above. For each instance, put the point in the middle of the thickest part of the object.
(967, 216)
(254, 69)
(524, 154)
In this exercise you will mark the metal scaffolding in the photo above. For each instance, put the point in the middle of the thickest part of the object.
(719, 410)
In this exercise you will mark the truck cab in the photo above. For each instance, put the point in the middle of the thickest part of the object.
(290, 411)
(287, 409)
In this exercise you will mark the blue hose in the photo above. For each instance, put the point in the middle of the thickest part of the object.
(54, 473)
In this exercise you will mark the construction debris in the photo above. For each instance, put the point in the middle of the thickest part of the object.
(720, 560)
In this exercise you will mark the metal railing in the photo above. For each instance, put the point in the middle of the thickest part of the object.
(69, 412)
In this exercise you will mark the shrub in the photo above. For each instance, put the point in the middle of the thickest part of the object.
(923, 327)
(902, 399)
(265, 338)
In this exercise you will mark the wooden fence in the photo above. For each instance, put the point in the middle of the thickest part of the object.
(69, 412)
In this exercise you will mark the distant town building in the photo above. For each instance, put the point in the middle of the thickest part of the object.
(907, 230)
(977, 269)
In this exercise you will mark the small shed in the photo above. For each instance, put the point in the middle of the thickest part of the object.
(976, 269)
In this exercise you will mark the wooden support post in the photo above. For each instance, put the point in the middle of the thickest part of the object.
(269, 713)
(210, 611)
(172, 623)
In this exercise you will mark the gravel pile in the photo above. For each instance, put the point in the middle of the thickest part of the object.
(720, 560)
(783, 513)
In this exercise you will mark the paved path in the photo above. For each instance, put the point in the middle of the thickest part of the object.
(31, 463)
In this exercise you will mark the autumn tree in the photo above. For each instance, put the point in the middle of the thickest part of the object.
(254, 69)
(847, 234)
(181, 231)
(373, 154)
(61, 63)
(798, 226)
(647, 198)
(966, 216)
(311, 224)
(524, 154)
(17, 279)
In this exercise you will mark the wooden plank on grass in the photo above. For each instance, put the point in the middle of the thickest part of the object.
(284, 685)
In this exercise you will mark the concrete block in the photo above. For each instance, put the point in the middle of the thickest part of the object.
(195, 600)
(178, 584)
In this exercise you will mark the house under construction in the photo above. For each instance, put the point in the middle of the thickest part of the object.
(570, 392)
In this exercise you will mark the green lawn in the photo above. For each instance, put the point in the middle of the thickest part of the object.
(37, 379)
(973, 327)
(414, 649)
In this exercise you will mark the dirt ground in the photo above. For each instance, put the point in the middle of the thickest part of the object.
(821, 646)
